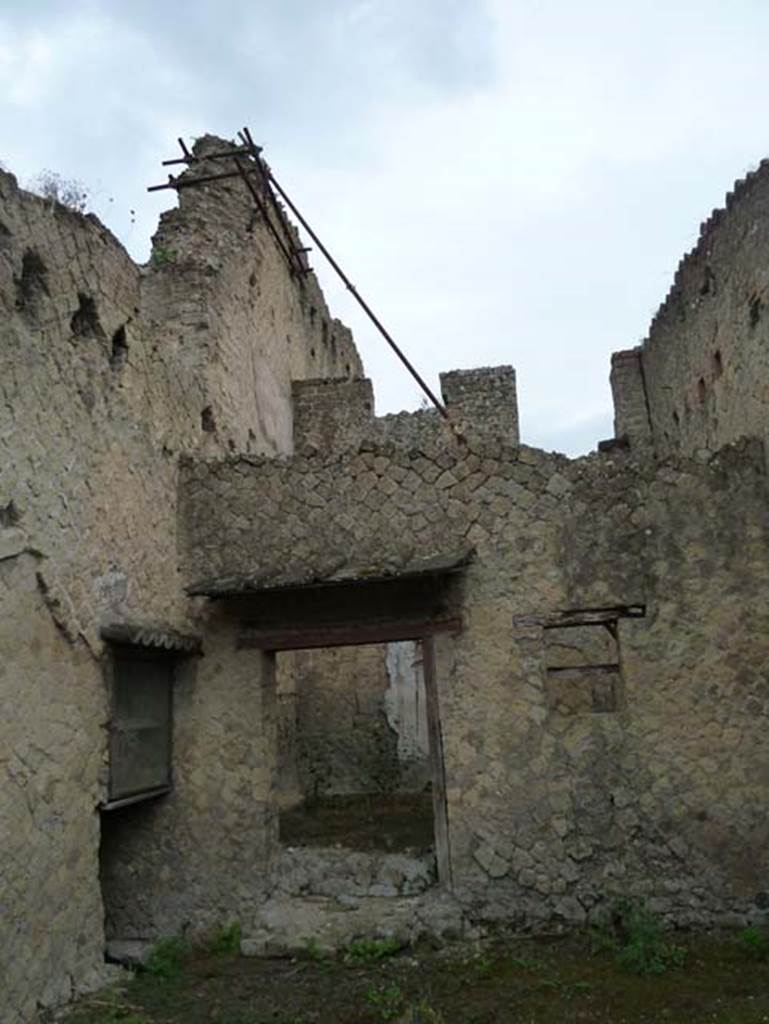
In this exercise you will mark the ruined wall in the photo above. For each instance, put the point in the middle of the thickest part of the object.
(628, 759)
(108, 372)
(351, 720)
(51, 758)
(701, 378)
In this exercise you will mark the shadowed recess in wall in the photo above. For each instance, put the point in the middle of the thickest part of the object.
(85, 321)
(32, 285)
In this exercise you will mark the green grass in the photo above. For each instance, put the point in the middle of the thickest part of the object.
(167, 956)
(364, 952)
(636, 938)
(387, 1002)
(568, 980)
(753, 943)
(226, 941)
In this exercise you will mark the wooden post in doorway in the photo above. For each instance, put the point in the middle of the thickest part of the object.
(440, 812)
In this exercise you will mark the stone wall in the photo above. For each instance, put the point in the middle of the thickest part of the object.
(701, 378)
(603, 707)
(109, 371)
(625, 756)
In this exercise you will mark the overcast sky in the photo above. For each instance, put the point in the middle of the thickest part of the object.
(506, 181)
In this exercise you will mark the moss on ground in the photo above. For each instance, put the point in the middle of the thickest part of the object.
(502, 982)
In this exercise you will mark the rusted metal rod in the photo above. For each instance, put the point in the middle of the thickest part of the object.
(347, 283)
(294, 265)
(189, 182)
(220, 155)
(361, 301)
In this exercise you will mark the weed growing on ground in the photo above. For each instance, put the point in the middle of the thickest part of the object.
(481, 964)
(311, 949)
(249, 1018)
(226, 942)
(165, 960)
(753, 943)
(423, 1013)
(527, 963)
(387, 1002)
(567, 989)
(365, 952)
(109, 1007)
(634, 935)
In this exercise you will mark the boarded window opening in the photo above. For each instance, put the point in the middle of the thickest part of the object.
(140, 727)
(583, 668)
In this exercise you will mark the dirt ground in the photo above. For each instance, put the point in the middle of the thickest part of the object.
(377, 821)
(557, 980)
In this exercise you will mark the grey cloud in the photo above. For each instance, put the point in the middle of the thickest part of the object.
(507, 181)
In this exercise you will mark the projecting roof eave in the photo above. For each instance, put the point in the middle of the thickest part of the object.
(237, 586)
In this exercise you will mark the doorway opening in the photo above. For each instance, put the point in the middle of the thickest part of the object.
(359, 768)
(353, 749)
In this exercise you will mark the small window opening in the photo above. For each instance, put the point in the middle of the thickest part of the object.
(208, 420)
(583, 667)
(119, 352)
(33, 283)
(140, 727)
(85, 321)
(9, 515)
(708, 285)
(754, 310)
(718, 363)
(701, 391)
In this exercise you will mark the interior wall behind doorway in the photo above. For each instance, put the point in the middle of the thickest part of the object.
(351, 720)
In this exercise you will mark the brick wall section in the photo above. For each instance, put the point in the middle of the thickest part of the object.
(705, 360)
(332, 414)
(631, 408)
(329, 412)
(655, 793)
(109, 371)
(485, 395)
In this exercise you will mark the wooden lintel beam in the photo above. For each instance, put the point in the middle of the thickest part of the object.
(299, 638)
(581, 617)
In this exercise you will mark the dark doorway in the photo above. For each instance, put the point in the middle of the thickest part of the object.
(353, 752)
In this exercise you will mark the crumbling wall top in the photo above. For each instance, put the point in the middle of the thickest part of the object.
(339, 413)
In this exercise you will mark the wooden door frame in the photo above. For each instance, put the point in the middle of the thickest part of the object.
(273, 641)
(437, 765)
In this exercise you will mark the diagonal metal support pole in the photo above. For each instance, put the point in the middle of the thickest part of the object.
(246, 136)
(291, 252)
